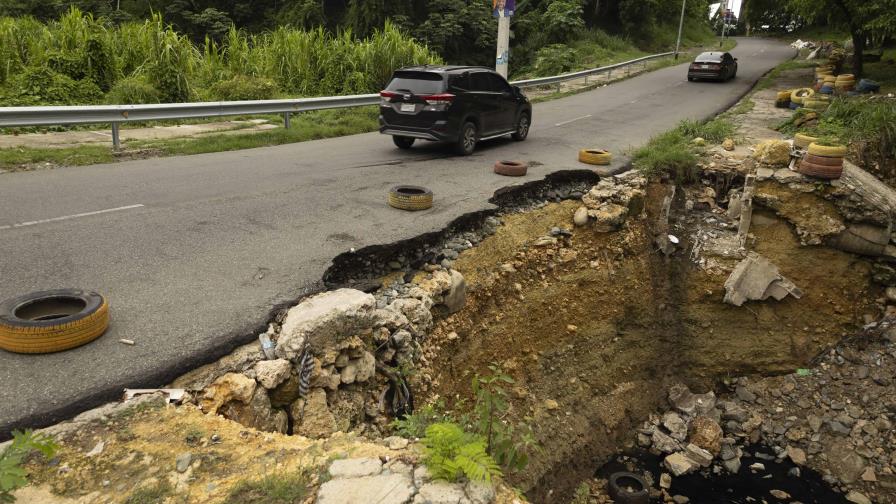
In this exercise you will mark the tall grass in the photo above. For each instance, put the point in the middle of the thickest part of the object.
(301, 62)
(674, 153)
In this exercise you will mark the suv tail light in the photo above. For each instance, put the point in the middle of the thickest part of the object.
(386, 97)
(437, 102)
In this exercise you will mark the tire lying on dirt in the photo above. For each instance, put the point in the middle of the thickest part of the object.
(838, 151)
(407, 197)
(595, 156)
(823, 161)
(628, 488)
(511, 168)
(819, 171)
(52, 321)
(802, 141)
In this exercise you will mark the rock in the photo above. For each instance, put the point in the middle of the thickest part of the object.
(869, 474)
(382, 489)
(417, 313)
(756, 467)
(665, 481)
(355, 468)
(677, 427)
(324, 320)
(241, 359)
(779, 494)
(441, 492)
(551, 404)
(744, 394)
(734, 411)
(664, 443)
(396, 442)
(698, 455)
(480, 492)
(456, 296)
(857, 498)
(757, 278)
(704, 403)
(183, 461)
(815, 422)
(544, 241)
(271, 373)
(728, 452)
(580, 218)
(699, 141)
(96, 450)
(732, 465)
(313, 419)
(728, 144)
(257, 413)
(775, 153)
(764, 173)
(680, 499)
(679, 464)
(682, 399)
(891, 293)
(421, 476)
(850, 465)
(706, 434)
(228, 388)
(359, 370)
(796, 455)
(608, 217)
(785, 175)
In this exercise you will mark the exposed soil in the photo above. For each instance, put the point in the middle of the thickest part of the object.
(602, 324)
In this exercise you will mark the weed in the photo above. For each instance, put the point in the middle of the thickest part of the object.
(582, 495)
(193, 436)
(415, 424)
(674, 153)
(289, 488)
(12, 475)
(450, 453)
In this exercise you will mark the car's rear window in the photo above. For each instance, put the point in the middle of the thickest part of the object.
(709, 58)
(417, 82)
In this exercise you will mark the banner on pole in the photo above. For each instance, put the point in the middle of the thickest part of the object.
(503, 8)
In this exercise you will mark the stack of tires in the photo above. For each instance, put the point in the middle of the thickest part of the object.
(823, 71)
(783, 99)
(798, 95)
(844, 83)
(827, 85)
(802, 141)
(823, 161)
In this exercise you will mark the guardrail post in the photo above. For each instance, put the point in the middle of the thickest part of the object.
(286, 120)
(116, 139)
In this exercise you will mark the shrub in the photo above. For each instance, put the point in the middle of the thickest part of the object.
(450, 453)
(244, 87)
(669, 152)
(12, 476)
(272, 489)
(43, 86)
(563, 19)
(554, 59)
(132, 91)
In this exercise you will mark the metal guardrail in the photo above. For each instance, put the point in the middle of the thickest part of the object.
(117, 114)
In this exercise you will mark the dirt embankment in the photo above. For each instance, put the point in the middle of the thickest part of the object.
(602, 323)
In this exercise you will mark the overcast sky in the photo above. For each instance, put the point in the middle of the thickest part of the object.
(732, 4)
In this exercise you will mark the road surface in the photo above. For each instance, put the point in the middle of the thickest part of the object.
(194, 251)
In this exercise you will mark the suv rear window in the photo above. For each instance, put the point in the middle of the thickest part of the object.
(417, 82)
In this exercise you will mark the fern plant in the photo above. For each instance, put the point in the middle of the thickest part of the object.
(451, 453)
(12, 475)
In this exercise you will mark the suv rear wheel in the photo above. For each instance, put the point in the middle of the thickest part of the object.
(522, 128)
(403, 142)
(466, 141)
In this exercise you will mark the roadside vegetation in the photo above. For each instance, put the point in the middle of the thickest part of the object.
(272, 489)
(675, 152)
(12, 475)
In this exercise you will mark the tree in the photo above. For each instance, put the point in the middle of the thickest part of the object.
(863, 18)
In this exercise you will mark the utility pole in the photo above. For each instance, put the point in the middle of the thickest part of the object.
(680, 24)
(723, 10)
(503, 53)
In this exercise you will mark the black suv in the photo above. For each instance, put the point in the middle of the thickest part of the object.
(461, 105)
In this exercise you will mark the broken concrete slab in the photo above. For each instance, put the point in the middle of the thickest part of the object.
(754, 279)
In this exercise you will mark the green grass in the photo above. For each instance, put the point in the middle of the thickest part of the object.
(770, 78)
(305, 126)
(674, 152)
(883, 71)
(291, 488)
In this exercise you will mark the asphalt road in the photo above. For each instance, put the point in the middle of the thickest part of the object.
(194, 251)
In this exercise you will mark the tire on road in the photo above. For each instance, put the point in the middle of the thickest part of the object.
(408, 197)
(52, 321)
(595, 156)
(523, 123)
(511, 168)
(837, 151)
(466, 141)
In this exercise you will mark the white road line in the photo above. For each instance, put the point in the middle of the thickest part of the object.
(573, 120)
(67, 217)
(633, 101)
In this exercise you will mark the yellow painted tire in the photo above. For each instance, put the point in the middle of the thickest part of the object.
(595, 156)
(52, 321)
(797, 95)
(850, 77)
(406, 197)
(838, 151)
(784, 95)
(802, 141)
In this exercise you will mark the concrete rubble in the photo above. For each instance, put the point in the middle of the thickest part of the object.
(757, 279)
